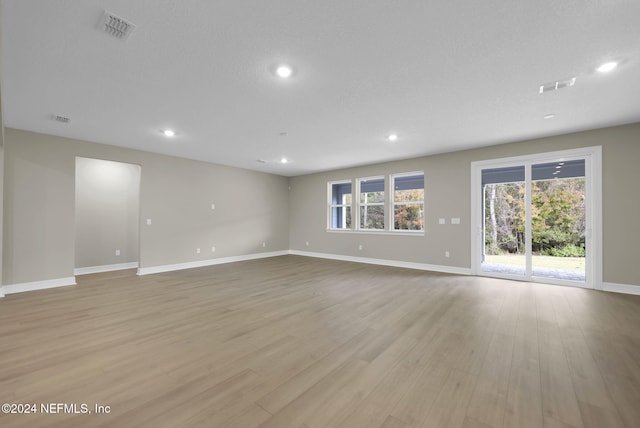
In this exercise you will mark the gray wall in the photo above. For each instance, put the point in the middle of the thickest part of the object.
(253, 207)
(448, 194)
(176, 194)
(1, 186)
(107, 212)
(1, 160)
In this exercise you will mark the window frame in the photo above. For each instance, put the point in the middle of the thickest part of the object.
(387, 204)
(393, 204)
(331, 206)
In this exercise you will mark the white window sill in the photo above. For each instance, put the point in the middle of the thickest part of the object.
(378, 232)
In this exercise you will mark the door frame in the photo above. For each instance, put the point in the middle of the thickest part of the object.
(593, 206)
(138, 238)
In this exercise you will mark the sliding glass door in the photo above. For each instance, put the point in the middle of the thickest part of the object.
(534, 218)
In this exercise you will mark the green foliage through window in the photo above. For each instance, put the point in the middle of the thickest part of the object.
(557, 217)
(372, 203)
(408, 202)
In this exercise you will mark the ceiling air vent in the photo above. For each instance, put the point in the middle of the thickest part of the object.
(116, 26)
(558, 84)
(61, 119)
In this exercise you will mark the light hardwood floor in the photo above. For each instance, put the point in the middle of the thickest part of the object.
(304, 343)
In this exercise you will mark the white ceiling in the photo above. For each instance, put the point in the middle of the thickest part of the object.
(444, 75)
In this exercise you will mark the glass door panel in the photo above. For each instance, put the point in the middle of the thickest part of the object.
(558, 220)
(504, 217)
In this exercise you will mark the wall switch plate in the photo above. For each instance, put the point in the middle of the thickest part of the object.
(198, 250)
(264, 244)
(213, 249)
(148, 222)
(306, 243)
(446, 254)
(213, 206)
(360, 247)
(455, 220)
(442, 221)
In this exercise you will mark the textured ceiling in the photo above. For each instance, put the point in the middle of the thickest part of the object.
(444, 75)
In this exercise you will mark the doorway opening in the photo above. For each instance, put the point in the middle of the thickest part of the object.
(535, 218)
(106, 215)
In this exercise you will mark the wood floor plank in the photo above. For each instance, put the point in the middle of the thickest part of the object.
(349, 398)
(525, 351)
(297, 342)
(596, 417)
(524, 406)
(550, 422)
(489, 399)
(472, 423)
(450, 407)
(312, 404)
(626, 395)
(392, 422)
(559, 400)
(293, 387)
(249, 416)
(377, 406)
(414, 406)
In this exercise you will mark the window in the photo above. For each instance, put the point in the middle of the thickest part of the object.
(408, 201)
(360, 205)
(371, 203)
(340, 205)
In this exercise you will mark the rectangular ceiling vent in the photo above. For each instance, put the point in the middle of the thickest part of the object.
(61, 119)
(558, 84)
(116, 26)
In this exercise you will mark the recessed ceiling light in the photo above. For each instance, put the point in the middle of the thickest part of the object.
(607, 66)
(392, 137)
(549, 116)
(283, 160)
(284, 71)
(169, 133)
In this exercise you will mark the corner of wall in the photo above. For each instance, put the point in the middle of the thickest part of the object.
(1, 174)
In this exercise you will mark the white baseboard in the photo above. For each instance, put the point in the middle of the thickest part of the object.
(621, 288)
(61, 282)
(37, 285)
(105, 268)
(385, 262)
(209, 262)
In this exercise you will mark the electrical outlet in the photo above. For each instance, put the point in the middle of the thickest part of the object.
(264, 244)
(197, 250)
(360, 247)
(148, 222)
(455, 220)
(447, 254)
(442, 221)
(117, 252)
(306, 243)
(213, 249)
(213, 206)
